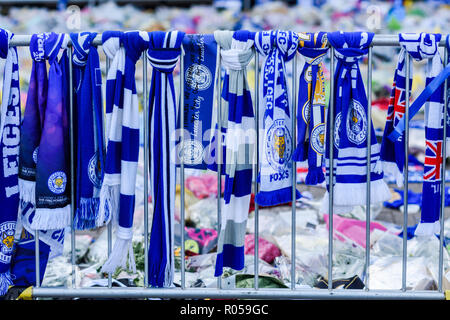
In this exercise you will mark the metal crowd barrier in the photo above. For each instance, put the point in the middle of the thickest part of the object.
(256, 292)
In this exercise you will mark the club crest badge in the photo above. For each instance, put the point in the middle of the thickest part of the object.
(356, 124)
(95, 171)
(57, 182)
(35, 155)
(306, 112)
(7, 230)
(337, 129)
(318, 138)
(278, 145)
(198, 77)
(191, 152)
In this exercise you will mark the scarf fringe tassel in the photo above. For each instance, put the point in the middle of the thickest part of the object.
(87, 214)
(108, 204)
(391, 168)
(48, 219)
(265, 199)
(27, 191)
(123, 250)
(6, 280)
(315, 176)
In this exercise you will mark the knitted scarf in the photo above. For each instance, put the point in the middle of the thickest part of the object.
(311, 106)
(163, 51)
(9, 153)
(88, 124)
(238, 121)
(274, 175)
(45, 125)
(117, 195)
(425, 46)
(351, 128)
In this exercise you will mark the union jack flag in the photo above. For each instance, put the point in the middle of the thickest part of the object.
(433, 161)
(398, 103)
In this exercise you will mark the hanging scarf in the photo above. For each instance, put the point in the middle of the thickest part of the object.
(163, 51)
(52, 166)
(238, 121)
(200, 58)
(89, 127)
(117, 194)
(425, 46)
(274, 176)
(311, 106)
(9, 153)
(351, 128)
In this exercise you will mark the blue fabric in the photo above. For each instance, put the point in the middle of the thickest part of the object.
(200, 58)
(311, 107)
(9, 154)
(88, 125)
(163, 52)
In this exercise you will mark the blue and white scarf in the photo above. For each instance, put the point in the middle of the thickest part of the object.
(9, 154)
(311, 106)
(117, 195)
(163, 51)
(425, 46)
(275, 170)
(88, 124)
(351, 129)
(239, 124)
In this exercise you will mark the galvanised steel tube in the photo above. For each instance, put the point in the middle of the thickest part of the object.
(109, 226)
(182, 195)
(256, 188)
(146, 161)
(202, 293)
(369, 158)
(219, 148)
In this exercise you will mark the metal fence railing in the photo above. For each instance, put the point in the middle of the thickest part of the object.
(257, 293)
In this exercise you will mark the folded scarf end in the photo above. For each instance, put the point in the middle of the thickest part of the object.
(6, 280)
(49, 219)
(300, 153)
(108, 204)
(427, 229)
(87, 214)
(27, 190)
(272, 198)
(392, 168)
(123, 250)
(315, 176)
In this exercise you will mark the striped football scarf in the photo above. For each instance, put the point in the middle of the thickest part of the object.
(163, 51)
(275, 178)
(9, 153)
(88, 124)
(45, 146)
(117, 195)
(425, 46)
(351, 128)
(311, 106)
(236, 53)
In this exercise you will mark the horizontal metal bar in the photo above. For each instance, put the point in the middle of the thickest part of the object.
(378, 40)
(135, 293)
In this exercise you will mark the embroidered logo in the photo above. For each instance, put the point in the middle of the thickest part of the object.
(278, 145)
(198, 77)
(356, 123)
(95, 171)
(306, 112)
(35, 154)
(337, 129)
(318, 138)
(191, 152)
(57, 182)
(7, 230)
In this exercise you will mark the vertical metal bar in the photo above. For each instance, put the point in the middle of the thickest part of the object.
(405, 173)
(330, 174)
(294, 175)
(109, 226)
(72, 167)
(369, 164)
(182, 195)
(256, 188)
(219, 148)
(37, 259)
(146, 166)
(444, 157)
